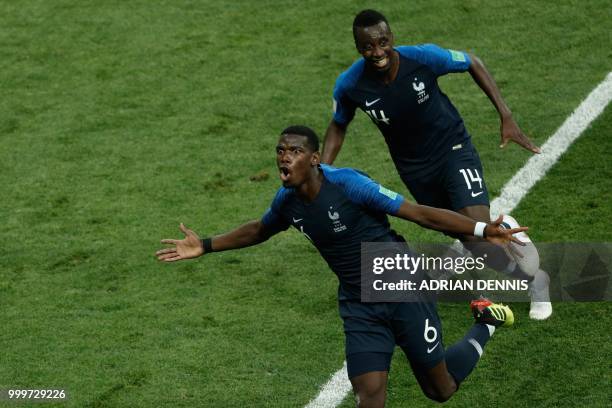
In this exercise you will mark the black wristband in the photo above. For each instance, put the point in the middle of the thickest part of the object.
(207, 245)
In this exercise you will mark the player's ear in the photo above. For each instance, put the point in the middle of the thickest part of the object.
(315, 160)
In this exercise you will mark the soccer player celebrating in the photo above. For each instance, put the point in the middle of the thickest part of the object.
(337, 210)
(432, 151)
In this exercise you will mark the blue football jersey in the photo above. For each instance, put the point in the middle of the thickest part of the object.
(350, 209)
(418, 121)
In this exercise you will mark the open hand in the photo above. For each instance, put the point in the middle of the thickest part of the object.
(511, 132)
(186, 248)
(499, 235)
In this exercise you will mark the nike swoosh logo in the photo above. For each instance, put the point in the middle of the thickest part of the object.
(429, 350)
(298, 220)
(368, 104)
(477, 194)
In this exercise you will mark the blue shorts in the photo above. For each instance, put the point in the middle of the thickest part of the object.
(372, 330)
(456, 184)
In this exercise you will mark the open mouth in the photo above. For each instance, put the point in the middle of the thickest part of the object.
(284, 173)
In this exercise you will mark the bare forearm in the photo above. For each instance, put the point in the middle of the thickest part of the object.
(510, 131)
(251, 233)
(485, 81)
(437, 219)
(334, 137)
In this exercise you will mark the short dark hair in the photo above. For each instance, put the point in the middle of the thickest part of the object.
(368, 18)
(313, 139)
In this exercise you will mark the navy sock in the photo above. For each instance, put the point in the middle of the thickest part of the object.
(461, 357)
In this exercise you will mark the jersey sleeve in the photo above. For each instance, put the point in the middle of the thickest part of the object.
(343, 107)
(272, 218)
(364, 191)
(441, 60)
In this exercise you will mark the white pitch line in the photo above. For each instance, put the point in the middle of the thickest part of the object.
(537, 166)
(335, 390)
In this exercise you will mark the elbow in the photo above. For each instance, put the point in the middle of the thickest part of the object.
(340, 126)
(336, 130)
(261, 234)
(475, 63)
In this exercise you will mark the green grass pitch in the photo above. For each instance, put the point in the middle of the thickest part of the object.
(120, 119)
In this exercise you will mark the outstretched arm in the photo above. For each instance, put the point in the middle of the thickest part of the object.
(251, 233)
(453, 222)
(510, 131)
(334, 136)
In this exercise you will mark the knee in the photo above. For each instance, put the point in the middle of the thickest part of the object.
(372, 395)
(440, 392)
(439, 395)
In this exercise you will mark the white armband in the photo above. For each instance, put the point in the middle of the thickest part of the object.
(479, 229)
